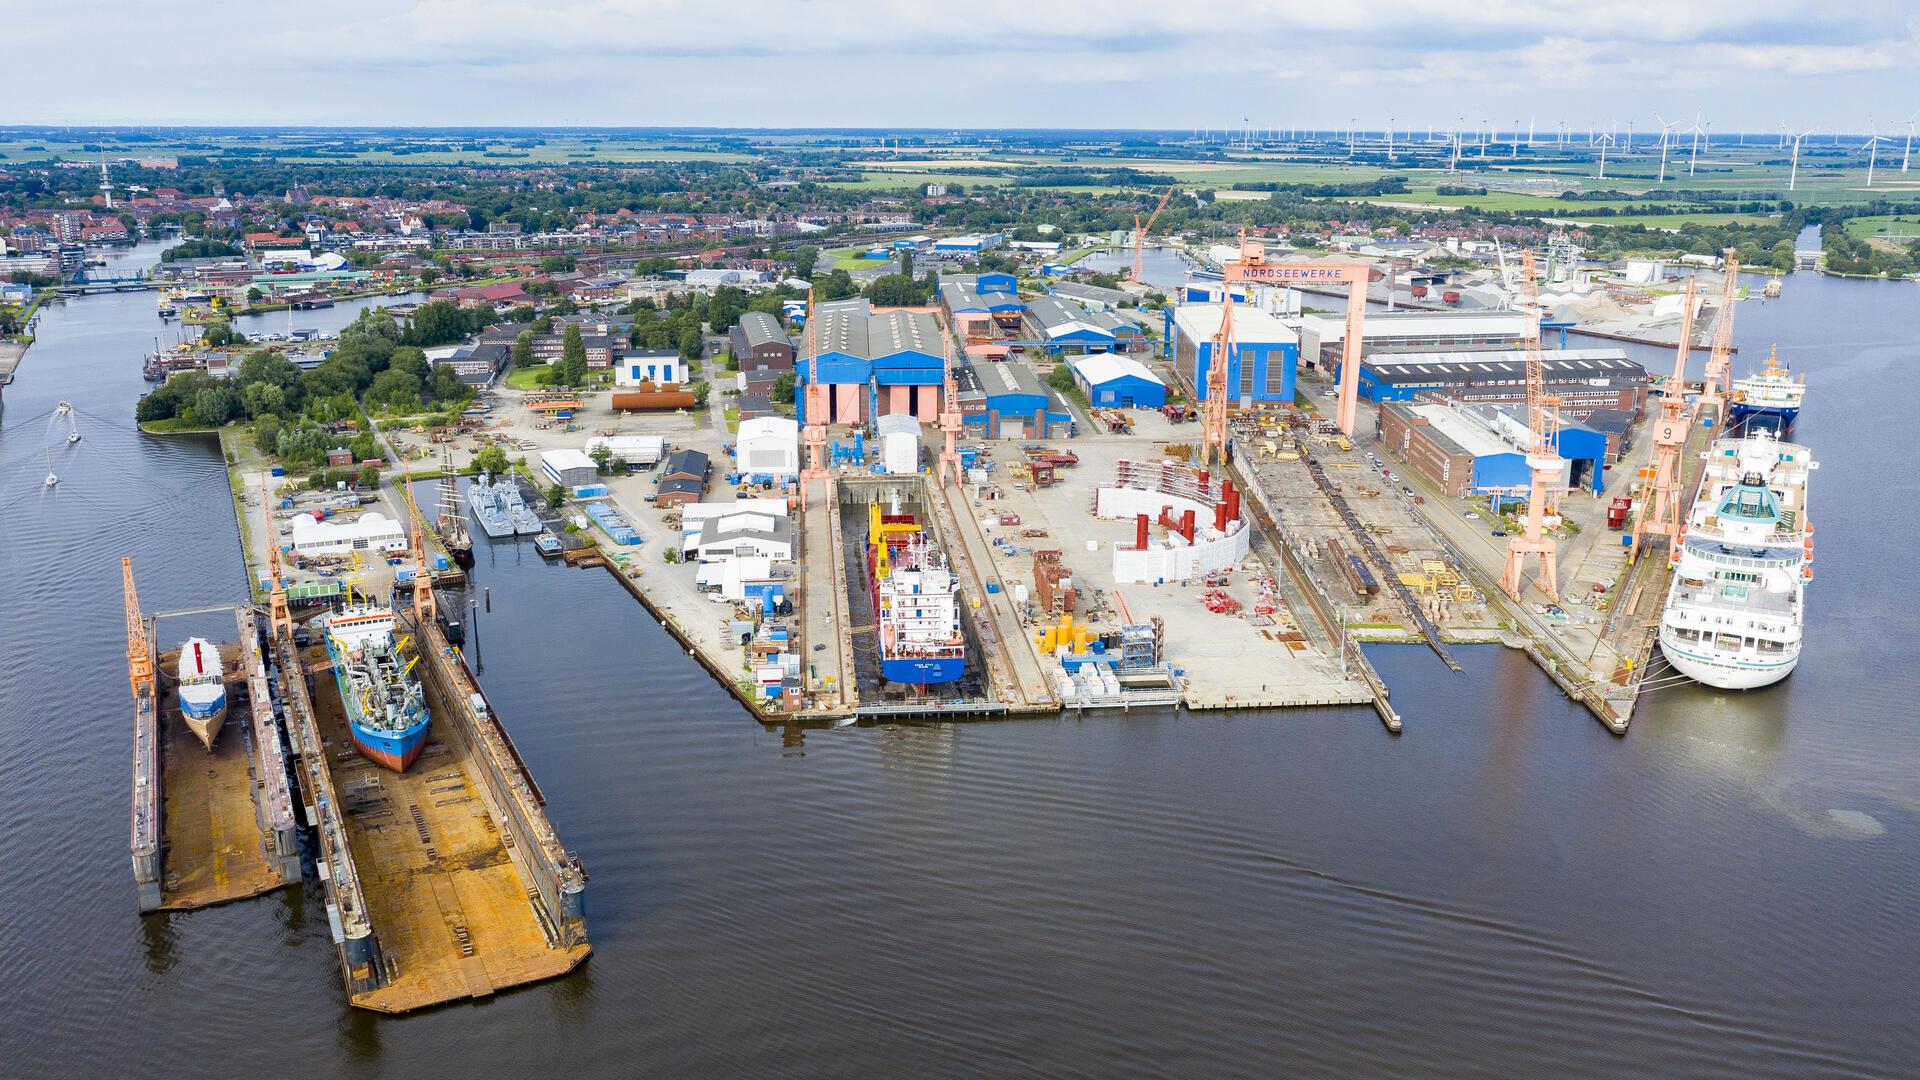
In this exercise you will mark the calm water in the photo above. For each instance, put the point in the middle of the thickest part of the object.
(1504, 890)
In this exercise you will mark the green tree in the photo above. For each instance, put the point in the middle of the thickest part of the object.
(214, 405)
(395, 389)
(783, 388)
(491, 459)
(556, 495)
(304, 445)
(523, 350)
(263, 399)
(600, 454)
(692, 346)
(1061, 377)
(254, 295)
(369, 476)
(266, 434)
(572, 369)
(700, 391)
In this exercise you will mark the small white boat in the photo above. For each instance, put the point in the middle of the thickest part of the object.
(52, 479)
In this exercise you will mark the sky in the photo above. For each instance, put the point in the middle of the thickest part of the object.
(1749, 65)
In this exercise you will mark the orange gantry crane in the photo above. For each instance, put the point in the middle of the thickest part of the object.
(1140, 233)
(815, 434)
(1659, 510)
(1718, 382)
(1252, 267)
(951, 422)
(139, 650)
(1543, 460)
(279, 613)
(423, 604)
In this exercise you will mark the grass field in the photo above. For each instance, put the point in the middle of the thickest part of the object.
(1893, 227)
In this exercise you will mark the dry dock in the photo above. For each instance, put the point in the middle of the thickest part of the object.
(445, 882)
(211, 826)
(457, 869)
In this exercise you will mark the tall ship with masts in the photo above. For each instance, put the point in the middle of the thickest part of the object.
(1735, 609)
(452, 525)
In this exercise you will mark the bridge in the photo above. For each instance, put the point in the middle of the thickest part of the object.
(86, 283)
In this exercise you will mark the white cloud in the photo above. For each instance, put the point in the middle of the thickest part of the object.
(991, 63)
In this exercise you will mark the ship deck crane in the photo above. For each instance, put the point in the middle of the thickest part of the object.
(279, 615)
(1140, 233)
(1543, 459)
(1660, 504)
(1252, 267)
(1718, 382)
(139, 649)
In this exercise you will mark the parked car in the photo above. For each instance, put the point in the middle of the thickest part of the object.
(1499, 532)
(1472, 515)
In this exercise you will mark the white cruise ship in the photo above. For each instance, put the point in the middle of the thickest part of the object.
(1734, 611)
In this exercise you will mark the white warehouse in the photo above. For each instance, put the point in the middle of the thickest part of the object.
(371, 531)
(769, 445)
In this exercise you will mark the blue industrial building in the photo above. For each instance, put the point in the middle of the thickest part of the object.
(1481, 449)
(1008, 401)
(873, 363)
(994, 294)
(1261, 365)
(1119, 382)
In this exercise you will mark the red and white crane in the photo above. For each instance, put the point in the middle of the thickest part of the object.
(1543, 459)
(951, 422)
(1718, 382)
(1140, 233)
(1252, 266)
(1660, 503)
(815, 433)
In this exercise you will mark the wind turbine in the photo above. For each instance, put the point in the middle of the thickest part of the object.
(1666, 129)
(1515, 152)
(1697, 132)
(1874, 139)
(1605, 140)
(1389, 138)
(1908, 155)
(1793, 174)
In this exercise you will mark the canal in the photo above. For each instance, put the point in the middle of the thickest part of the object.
(1503, 890)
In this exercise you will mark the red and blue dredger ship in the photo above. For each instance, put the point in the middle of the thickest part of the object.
(916, 602)
(386, 707)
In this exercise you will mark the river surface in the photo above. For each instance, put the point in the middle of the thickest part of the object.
(1731, 889)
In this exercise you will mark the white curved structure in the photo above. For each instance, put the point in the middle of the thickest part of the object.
(1204, 530)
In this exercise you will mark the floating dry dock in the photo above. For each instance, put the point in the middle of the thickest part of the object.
(209, 826)
(443, 883)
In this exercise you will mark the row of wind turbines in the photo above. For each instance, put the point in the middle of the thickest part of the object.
(1698, 132)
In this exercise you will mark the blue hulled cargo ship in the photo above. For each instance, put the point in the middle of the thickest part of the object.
(916, 603)
(386, 708)
(1766, 400)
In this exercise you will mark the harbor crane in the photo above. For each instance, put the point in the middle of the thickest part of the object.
(1718, 383)
(1543, 459)
(951, 421)
(423, 605)
(1140, 233)
(139, 649)
(1659, 510)
(815, 434)
(279, 614)
(1252, 267)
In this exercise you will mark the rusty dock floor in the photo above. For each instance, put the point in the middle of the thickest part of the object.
(216, 848)
(450, 908)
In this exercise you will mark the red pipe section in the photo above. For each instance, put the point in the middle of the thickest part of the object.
(1140, 532)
